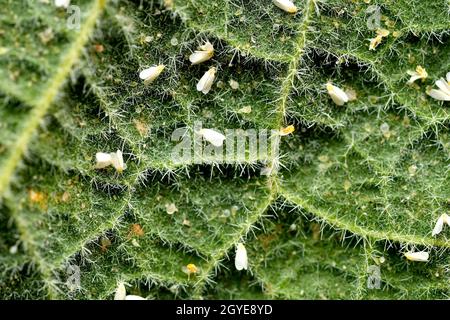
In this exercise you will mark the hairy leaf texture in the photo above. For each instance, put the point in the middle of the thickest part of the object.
(321, 212)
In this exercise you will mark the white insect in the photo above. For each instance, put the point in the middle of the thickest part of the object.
(212, 136)
(444, 218)
(150, 74)
(62, 3)
(241, 260)
(286, 5)
(443, 93)
(205, 53)
(421, 256)
(121, 293)
(420, 73)
(103, 160)
(115, 159)
(338, 96)
(205, 83)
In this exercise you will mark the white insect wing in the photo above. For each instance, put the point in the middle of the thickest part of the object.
(338, 96)
(421, 256)
(443, 93)
(438, 227)
(62, 3)
(121, 292)
(443, 86)
(286, 5)
(414, 77)
(117, 161)
(199, 56)
(205, 83)
(144, 74)
(439, 95)
(443, 219)
(213, 137)
(102, 160)
(241, 260)
(150, 74)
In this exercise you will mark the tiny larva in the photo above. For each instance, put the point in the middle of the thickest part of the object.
(287, 130)
(375, 42)
(212, 136)
(190, 268)
(171, 208)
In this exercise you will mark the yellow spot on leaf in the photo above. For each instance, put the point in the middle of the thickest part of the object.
(287, 130)
(38, 198)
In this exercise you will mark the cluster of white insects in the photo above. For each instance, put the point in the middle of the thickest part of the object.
(340, 97)
(441, 94)
(204, 53)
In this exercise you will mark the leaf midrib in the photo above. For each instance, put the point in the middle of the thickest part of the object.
(42, 105)
(38, 111)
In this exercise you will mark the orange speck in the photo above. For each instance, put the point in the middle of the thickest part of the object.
(192, 268)
(36, 196)
(136, 230)
(99, 48)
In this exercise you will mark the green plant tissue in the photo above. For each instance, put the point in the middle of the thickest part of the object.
(226, 149)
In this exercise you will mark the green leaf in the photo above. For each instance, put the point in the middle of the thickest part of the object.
(353, 188)
(40, 61)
